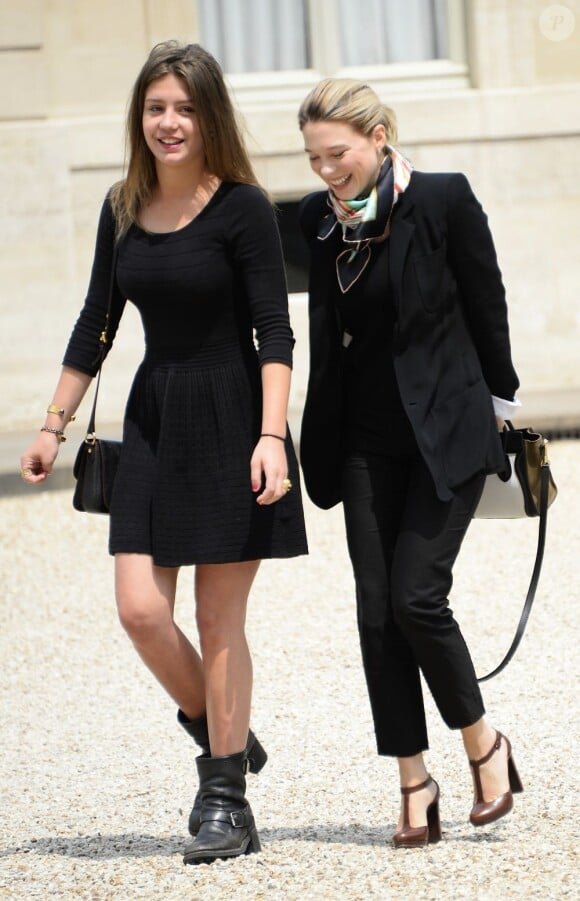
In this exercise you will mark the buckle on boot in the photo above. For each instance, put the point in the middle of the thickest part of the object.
(238, 818)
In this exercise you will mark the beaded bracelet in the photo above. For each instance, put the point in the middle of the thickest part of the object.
(58, 432)
(269, 435)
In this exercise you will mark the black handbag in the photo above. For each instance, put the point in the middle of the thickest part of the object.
(95, 466)
(525, 487)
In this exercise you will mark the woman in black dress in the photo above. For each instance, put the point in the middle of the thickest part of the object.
(410, 377)
(208, 474)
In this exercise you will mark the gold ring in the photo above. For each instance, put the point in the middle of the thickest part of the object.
(24, 473)
(286, 484)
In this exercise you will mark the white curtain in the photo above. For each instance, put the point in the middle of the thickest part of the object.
(270, 35)
(255, 35)
(391, 31)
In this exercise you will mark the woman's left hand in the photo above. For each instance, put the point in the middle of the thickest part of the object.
(269, 461)
(500, 423)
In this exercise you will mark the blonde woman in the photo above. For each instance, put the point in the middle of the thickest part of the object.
(207, 476)
(411, 375)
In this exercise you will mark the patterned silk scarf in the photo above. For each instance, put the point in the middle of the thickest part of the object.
(365, 221)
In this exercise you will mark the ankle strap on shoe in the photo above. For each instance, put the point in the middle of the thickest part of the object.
(416, 788)
(495, 747)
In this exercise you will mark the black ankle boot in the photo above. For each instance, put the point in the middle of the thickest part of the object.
(227, 827)
(197, 729)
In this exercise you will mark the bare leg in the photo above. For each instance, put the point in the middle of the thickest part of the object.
(145, 600)
(222, 593)
(412, 771)
(478, 739)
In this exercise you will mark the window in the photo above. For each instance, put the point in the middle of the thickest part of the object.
(328, 35)
(373, 32)
(255, 35)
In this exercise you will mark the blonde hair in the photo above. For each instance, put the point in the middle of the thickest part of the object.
(225, 151)
(350, 101)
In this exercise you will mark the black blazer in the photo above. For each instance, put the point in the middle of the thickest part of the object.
(451, 343)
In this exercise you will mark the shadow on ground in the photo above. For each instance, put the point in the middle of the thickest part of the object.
(135, 844)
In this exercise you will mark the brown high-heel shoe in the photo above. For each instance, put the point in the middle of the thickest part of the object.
(419, 836)
(484, 812)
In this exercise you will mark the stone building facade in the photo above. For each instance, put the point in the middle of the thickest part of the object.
(501, 103)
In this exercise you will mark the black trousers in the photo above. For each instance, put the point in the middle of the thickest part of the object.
(403, 542)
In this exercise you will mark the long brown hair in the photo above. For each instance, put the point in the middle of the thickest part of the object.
(225, 151)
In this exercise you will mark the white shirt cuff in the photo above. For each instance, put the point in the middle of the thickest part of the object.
(503, 408)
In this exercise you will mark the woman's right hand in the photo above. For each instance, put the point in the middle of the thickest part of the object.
(37, 460)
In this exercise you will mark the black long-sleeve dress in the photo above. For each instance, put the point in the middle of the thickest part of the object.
(193, 417)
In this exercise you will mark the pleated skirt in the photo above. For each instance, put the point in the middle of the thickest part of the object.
(183, 491)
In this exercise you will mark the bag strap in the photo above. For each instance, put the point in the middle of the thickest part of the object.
(90, 437)
(544, 486)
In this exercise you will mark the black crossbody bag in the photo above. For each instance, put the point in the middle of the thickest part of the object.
(95, 466)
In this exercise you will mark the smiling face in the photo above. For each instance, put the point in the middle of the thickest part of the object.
(170, 125)
(346, 160)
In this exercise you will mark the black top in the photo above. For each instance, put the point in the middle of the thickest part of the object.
(212, 280)
(371, 399)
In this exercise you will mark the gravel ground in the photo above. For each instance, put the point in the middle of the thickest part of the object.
(98, 778)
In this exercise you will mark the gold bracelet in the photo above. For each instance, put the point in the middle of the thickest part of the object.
(58, 411)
